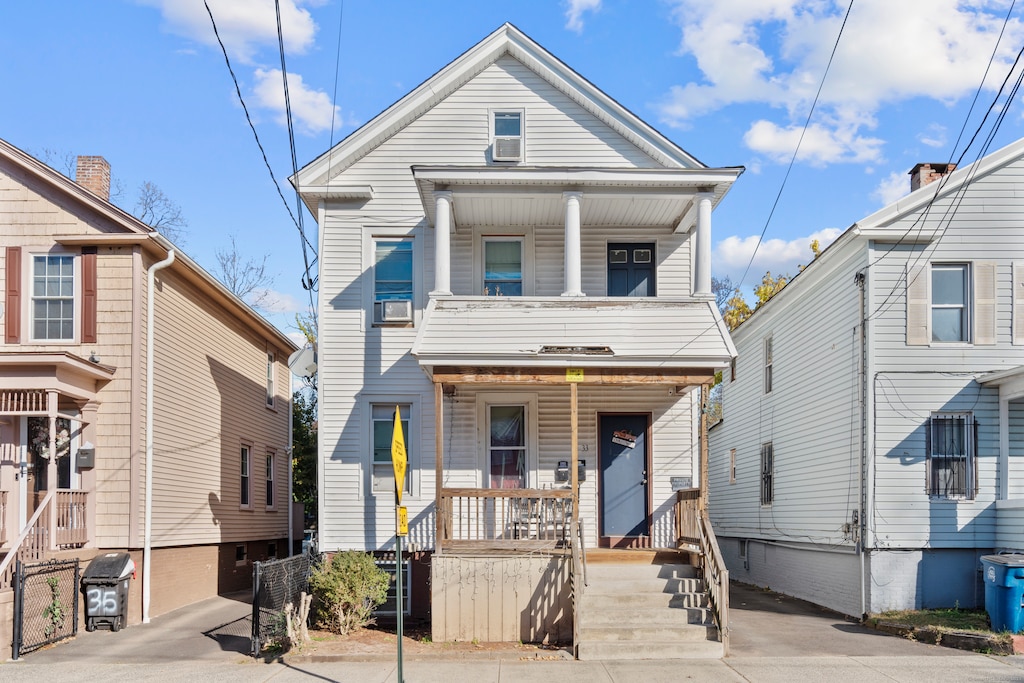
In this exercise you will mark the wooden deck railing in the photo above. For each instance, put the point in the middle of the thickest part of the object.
(716, 577)
(686, 509)
(505, 519)
(31, 545)
(60, 516)
(71, 528)
(3, 516)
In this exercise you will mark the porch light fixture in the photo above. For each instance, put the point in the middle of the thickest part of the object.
(578, 350)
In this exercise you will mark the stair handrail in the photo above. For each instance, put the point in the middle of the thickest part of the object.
(15, 551)
(716, 577)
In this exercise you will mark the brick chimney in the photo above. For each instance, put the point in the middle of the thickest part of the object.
(925, 174)
(93, 173)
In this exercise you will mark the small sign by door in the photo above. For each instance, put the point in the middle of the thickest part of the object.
(624, 437)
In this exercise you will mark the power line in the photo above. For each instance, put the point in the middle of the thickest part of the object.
(307, 281)
(238, 91)
(796, 151)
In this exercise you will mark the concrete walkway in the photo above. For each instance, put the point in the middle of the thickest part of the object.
(774, 639)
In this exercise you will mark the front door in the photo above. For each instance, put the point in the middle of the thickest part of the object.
(631, 269)
(623, 485)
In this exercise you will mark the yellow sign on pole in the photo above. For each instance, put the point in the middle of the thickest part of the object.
(398, 456)
(574, 374)
(403, 521)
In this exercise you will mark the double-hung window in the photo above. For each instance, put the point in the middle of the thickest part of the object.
(506, 446)
(507, 136)
(383, 418)
(53, 298)
(951, 439)
(270, 480)
(767, 473)
(245, 476)
(950, 297)
(503, 266)
(768, 364)
(392, 281)
(271, 358)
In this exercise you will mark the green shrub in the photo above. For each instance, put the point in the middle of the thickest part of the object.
(346, 590)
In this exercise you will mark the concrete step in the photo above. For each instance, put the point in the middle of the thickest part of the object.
(658, 649)
(596, 615)
(632, 586)
(645, 633)
(611, 571)
(648, 600)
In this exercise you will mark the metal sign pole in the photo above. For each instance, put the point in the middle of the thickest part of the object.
(399, 461)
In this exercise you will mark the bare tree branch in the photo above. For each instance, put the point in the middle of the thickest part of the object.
(247, 278)
(160, 212)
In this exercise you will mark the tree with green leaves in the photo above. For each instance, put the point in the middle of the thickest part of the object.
(304, 436)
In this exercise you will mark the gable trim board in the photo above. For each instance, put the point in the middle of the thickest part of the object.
(507, 39)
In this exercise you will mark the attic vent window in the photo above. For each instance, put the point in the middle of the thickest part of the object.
(578, 350)
(508, 136)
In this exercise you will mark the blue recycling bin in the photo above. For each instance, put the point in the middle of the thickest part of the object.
(1004, 591)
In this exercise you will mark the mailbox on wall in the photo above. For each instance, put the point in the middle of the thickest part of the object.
(85, 458)
(562, 471)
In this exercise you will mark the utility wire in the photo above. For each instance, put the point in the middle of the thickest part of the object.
(796, 151)
(307, 281)
(238, 91)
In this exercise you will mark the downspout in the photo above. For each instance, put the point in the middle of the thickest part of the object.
(147, 540)
(861, 278)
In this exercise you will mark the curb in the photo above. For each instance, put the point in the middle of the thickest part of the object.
(327, 657)
(960, 640)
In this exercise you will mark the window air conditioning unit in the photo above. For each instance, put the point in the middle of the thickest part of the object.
(396, 311)
(508, 148)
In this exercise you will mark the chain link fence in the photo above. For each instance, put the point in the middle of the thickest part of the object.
(45, 604)
(275, 584)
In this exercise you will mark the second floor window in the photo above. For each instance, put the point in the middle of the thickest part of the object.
(270, 379)
(503, 267)
(53, 298)
(768, 362)
(392, 281)
(950, 313)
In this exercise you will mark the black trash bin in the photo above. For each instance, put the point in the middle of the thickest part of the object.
(105, 584)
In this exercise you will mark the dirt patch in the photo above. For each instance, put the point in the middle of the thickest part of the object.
(381, 643)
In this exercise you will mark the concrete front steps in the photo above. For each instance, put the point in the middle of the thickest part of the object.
(644, 605)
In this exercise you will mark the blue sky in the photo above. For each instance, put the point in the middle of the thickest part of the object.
(144, 84)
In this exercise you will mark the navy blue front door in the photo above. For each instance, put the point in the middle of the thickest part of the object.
(623, 454)
(631, 269)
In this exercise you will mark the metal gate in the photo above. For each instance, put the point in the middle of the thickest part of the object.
(275, 584)
(45, 603)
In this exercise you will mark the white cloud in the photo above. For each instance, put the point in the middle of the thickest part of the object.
(245, 26)
(312, 110)
(933, 136)
(820, 145)
(775, 255)
(894, 186)
(574, 13)
(774, 52)
(273, 302)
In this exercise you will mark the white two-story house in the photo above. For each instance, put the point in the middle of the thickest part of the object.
(521, 267)
(870, 450)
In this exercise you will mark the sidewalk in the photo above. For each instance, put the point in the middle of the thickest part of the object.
(775, 638)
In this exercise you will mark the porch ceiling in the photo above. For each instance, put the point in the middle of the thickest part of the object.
(640, 336)
(530, 196)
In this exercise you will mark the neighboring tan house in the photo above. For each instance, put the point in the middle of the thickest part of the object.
(870, 449)
(522, 267)
(73, 382)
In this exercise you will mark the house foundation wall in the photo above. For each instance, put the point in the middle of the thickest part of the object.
(501, 599)
(926, 579)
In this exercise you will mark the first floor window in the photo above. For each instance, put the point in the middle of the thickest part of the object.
(53, 298)
(383, 416)
(244, 467)
(951, 446)
(506, 447)
(270, 480)
(767, 473)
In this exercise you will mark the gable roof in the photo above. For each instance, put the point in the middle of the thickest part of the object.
(506, 40)
(129, 230)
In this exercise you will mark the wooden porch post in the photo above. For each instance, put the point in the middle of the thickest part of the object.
(51, 469)
(438, 463)
(574, 460)
(704, 395)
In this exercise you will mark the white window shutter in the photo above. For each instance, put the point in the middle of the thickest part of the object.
(985, 303)
(918, 333)
(1018, 302)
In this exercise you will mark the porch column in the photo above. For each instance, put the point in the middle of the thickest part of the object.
(50, 518)
(573, 249)
(442, 243)
(90, 413)
(702, 258)
(438, 465)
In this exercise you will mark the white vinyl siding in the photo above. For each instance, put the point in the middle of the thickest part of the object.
(1017, 297)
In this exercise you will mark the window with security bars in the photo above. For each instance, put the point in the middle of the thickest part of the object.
(952, 440)
(767, 473)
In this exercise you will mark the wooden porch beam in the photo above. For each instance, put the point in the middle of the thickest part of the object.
(561, 375)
